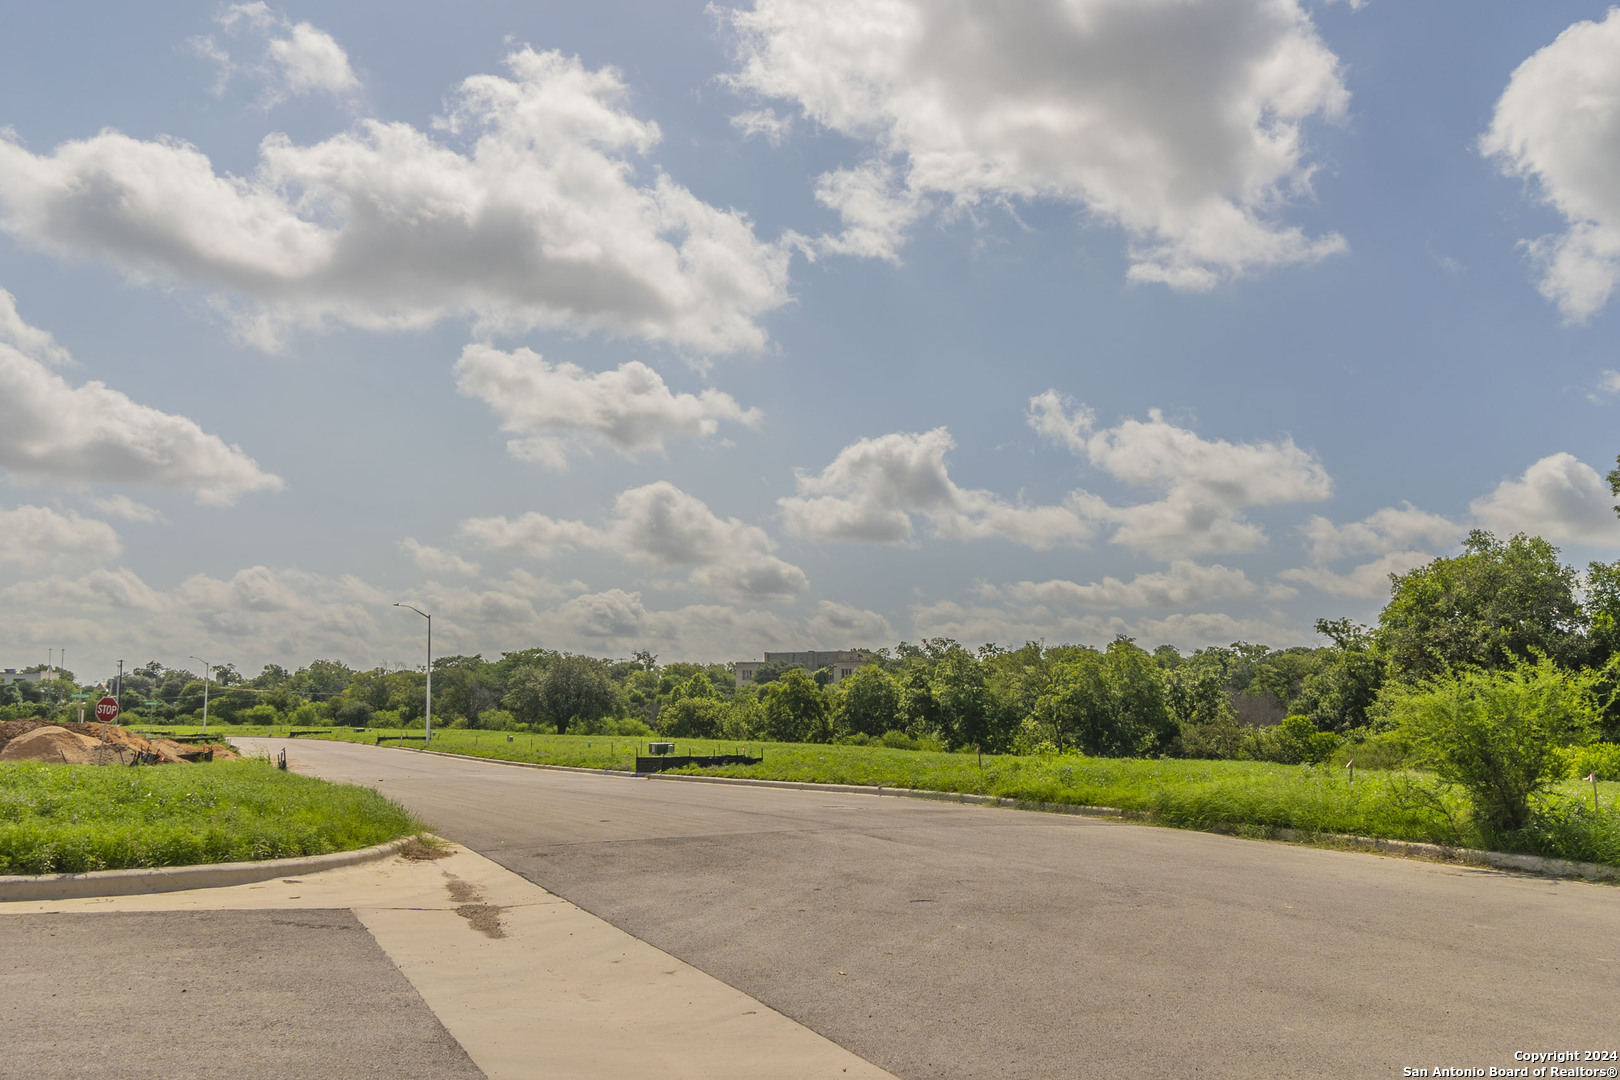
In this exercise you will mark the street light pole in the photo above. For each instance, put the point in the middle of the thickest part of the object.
(206, 665)
(427, 733)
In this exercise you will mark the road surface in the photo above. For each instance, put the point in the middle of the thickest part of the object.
(941, 940)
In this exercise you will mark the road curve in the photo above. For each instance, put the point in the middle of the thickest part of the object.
(956, 941)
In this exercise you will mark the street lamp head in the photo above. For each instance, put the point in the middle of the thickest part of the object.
(414, 608)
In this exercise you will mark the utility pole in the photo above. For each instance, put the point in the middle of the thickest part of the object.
(427, 732)
(206, 666)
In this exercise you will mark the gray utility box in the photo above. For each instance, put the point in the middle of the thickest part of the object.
(660, 748)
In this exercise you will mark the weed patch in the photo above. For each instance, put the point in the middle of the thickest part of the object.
(72, 819)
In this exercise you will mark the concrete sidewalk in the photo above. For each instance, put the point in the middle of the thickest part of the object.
(528, 984)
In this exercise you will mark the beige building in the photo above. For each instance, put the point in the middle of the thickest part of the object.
(842, 663)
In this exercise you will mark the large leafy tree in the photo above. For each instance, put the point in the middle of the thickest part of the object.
(1337, 695)
(967, 710)
(1497, 604)
(1109, 704)
(795, 709)
(868, 702)
(696, 716)
(576, 689)
(919, 708)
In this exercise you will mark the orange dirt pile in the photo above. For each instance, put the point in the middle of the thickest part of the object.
(80, 744)
(51, 743)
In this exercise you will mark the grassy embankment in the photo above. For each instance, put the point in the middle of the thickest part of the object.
(75, 818)
(1244, 797)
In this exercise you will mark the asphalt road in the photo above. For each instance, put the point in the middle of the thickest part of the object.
(199, 995)
(958, 941)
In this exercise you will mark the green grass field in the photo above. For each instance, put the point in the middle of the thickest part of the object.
(75, 818)
(1245, 797)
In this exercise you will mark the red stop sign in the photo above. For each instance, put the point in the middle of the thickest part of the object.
(107, 710)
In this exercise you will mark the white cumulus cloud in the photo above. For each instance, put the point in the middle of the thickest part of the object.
(1558, 123)
(1182, 122)
(873, 487)
(289, 58)
(34, 536)
(554, 409)
(1380, 533)
(1205, 483)
(1365, 581)
(54, 432)
(126, 508)
(1560, 497)
(1014, 623)
(540, 221)
(434, 560)
(660, 526)
(1398, 538)
(1185, 584)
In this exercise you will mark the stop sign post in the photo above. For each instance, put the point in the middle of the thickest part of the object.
(106, 712)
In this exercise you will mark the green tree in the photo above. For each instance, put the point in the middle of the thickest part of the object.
(1497, 734)
(1337, 695)
(523, 698)
(965, 706)
(322, 679)
(465, 686)
(1603, 653)
(576, 689)
(795, 709)
(868, 702)
(919, 709)
(1197, 697)
(1493, 606)
(770, 671)
(695, 717)
(1109, 704)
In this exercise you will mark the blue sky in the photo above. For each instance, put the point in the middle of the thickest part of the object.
(712, 330)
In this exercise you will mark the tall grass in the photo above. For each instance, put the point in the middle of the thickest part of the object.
(71, 818)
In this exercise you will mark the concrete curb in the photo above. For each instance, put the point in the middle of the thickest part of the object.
(160, 879)
(1498, 860)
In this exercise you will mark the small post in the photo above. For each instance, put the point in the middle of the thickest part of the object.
(1592, 776)
(1351, 765)
(980, 751)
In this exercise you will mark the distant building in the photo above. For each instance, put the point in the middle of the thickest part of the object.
(11, 675)
(842, 663)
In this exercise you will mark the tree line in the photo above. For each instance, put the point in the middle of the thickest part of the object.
(1496, 606)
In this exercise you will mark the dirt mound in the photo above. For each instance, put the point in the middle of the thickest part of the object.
(115, 734)
(123, 746)
(51, 743)
(10, 729)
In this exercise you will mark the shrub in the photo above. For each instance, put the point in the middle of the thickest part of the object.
(1389, 750)
(1497, 734)
(351, 713)
(1295, 741)
(1600, 758)
(612, 725)
(900, 740)
(692, 718)
(384, 718)
(259, 716)
(309, 714)
(494, 720)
